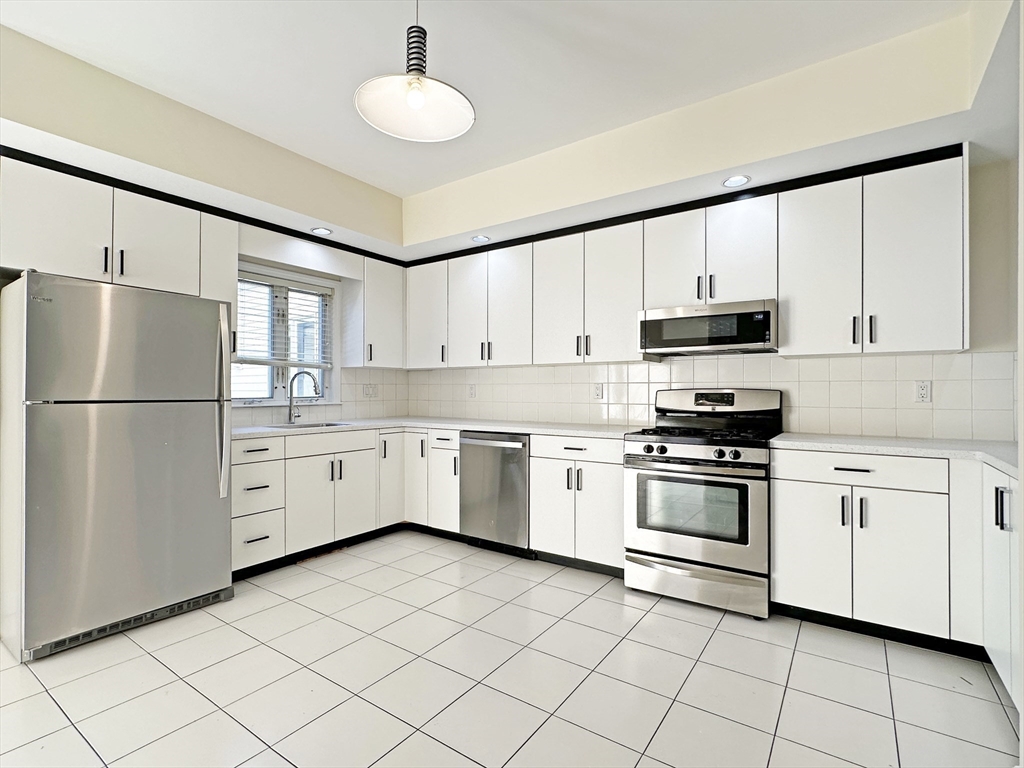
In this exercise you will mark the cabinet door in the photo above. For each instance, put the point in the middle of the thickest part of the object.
(996, 577)
(742, 258)
(443, 489)
(914, 258)
(218, 261)
(820, 245)
(901, 560)
(383, 314)
(54, 223)
(552, 506)
(309, 502)
(558, 300)
(426, 315)
(812, 546)
(674, 260)
(156, 244)
(467, 311)
(599, 513)
(1012, 512)
(613, 292)
(355, 493)
(416, 477)
(392, 478)
(510, 306)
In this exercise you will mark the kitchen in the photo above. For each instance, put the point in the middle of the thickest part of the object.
(616, 449)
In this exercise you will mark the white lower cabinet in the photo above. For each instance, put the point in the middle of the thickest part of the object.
(416, 477)
(309, 502)
(392, 478)
(443, 489)
(355, 493)
(257, 538)
(576, 509)
(1001, 578)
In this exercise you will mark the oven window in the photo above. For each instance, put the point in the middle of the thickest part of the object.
(705, 330)
(708, 509)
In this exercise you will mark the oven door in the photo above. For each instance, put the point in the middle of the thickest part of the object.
(706, 514)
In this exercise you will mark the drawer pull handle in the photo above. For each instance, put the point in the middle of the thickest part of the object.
(256, 488)
(255, 450)
(258, 538)
(851, 469)
(572, 448)
(443, 439)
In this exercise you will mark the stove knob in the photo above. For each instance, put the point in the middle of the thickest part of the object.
(718, 453)
(648, 449)
(734, 455)
(662, 449)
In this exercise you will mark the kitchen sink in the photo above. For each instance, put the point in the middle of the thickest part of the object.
(311, 424)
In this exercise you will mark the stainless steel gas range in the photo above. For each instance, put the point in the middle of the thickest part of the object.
(696, 491)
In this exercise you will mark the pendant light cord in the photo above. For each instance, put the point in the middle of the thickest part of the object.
(416, 47)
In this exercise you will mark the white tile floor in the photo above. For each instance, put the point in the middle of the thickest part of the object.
(412, 650)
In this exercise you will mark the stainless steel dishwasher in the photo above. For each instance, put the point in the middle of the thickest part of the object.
(495, 487)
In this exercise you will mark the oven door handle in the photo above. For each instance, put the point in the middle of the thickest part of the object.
(664, 468)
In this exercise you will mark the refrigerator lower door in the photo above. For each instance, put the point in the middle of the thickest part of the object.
(123, 513)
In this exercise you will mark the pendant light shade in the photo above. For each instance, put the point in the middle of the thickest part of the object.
(413, 106)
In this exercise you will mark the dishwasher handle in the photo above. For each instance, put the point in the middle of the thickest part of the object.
(491, 443)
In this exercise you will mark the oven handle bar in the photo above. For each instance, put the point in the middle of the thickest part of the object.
(665, 468)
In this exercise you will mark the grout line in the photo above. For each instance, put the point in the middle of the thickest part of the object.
(789, 674)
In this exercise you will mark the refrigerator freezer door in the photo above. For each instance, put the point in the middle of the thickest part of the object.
(89, 341)
(123, 513)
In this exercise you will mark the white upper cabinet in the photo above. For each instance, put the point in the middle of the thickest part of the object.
(914, 265)
(510, 306)
(55, 223)
(427, 315)
(613, 292)
(467, 311)
(218, 265)
(558, 300)
(383, 314)
(156, 244)
(820, 269)
(742, 250)
(674, 260)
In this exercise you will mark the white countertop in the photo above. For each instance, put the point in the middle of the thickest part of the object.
(425, 422)
(1001, 455)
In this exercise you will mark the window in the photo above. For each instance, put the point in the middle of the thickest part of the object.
(284, 327)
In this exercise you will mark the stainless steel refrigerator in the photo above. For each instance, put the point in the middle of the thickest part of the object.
(115, 453)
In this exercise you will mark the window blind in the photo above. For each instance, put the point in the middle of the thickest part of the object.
(281, 323)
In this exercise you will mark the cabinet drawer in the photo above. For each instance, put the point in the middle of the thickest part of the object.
(583, 448)
(257, 538)
(257, 487)
(908, 473)
(257, 449)
(329, 442)
(443, 438)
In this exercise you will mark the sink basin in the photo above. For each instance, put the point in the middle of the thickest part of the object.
(311, 424)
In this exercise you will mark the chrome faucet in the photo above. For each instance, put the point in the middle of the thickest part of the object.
(293, 412)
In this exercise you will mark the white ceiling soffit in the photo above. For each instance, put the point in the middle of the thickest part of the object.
(542, 74)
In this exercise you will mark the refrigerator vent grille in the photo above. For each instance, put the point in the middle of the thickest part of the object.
(134, 621)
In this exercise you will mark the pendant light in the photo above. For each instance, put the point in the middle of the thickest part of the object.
(413, 106)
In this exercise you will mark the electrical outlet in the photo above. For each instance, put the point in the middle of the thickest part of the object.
(922, 391)
(366, 391)
(471, 391)
(599, 391)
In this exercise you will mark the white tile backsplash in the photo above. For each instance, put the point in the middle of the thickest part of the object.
(972, 394)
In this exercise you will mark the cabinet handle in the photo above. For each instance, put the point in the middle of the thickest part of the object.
(588, 345)
(332, 470)
(711, 286)
(699, 279)
(851, 469)
(385, 442)
(572, 448)
(455, 464)
(423, 448)
(370, 351)
(579, 479)
(106, 259)
(568, 478)
(1001, 494)
(842, 511)
(854, 329)
(871, 329)
(340, 468)
(234, 342)
(488, 350)
(579, 346)
(258, 538)
(121, 268)
(863, 507)
(254, 450)
(256, 488)
(483, 350)
(442, 353)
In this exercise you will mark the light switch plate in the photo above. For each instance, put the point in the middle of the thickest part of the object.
(599, 391)
(922, 391)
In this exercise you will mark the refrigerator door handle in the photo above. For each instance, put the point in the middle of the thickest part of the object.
(225, 401)
(225, 352)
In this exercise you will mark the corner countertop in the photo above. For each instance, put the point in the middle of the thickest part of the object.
(1001, 455)
(425, 422)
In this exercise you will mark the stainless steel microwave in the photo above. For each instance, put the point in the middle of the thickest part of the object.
(709, 329)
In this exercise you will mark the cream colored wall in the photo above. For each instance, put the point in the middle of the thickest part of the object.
(45, 89)
(986, 20)
(993, 248)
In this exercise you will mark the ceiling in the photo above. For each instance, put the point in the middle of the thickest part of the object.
(541, 74)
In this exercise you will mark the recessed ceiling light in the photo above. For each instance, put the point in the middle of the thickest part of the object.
(735, 181)
(320, 231)
(481, 239)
